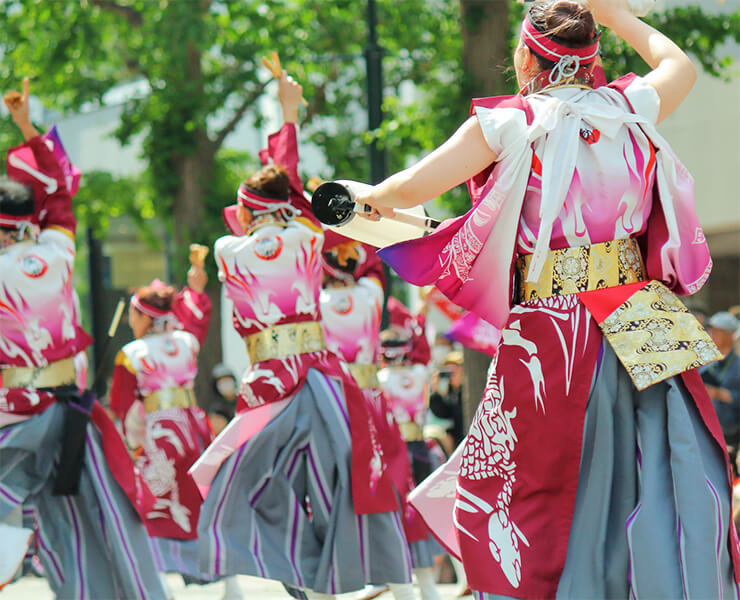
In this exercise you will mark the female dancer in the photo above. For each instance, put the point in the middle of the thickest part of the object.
(576, 194)
(404, 379)
(351, 307)
(302, 500)
(53, 464)
(152, 394)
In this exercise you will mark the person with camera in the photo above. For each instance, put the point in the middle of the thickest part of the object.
(722, 378)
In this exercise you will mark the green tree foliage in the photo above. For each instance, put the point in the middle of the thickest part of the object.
(201, 61)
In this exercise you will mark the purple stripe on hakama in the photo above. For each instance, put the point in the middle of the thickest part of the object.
(52, 555)
(718, 523)
(361, 534)
(319, 482)
(256, 550)
(91, 451)
(216, 567)
(402, 535)
(78, 548)
(293, 541)
(338, 400)
(294, 460)
(253, 500)
(681, 557)
(15, 500)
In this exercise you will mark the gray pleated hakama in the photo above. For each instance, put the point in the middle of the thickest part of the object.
(92, 545)
(280, 507)
(652, 513)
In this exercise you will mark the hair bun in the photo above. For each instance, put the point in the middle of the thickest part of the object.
(570, 21)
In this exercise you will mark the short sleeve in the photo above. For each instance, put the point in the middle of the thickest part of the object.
(373, 287)
(642, 96)
(501, 126)
(223, 253)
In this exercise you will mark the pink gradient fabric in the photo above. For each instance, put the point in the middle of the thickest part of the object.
(476, 251)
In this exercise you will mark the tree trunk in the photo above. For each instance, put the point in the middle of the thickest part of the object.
(485, 31)
(193, 174)
(486, 36)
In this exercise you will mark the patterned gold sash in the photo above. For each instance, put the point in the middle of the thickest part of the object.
(411, 432)
(366, 376)
(56, 374)
(286, 340)
(652, 333)
(655, 337)
(177, 397)
(583, 268)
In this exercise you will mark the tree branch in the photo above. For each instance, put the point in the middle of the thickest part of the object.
(132, 15)
(237, 116)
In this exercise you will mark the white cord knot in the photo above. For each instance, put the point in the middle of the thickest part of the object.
(566, 67)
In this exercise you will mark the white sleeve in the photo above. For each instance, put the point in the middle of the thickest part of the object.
(373, 287)
(63, 244)
(222, 249)
(501, 126)
(644, 99)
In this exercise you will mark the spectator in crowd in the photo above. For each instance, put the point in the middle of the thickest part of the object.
(222, 408)
(722, 378)
(442, 347)
(446, 399)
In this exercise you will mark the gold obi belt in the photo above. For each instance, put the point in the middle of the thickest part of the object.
(582, 269)
(652, 333)
(411, 432)
(176, 397)
(366, 376)
(56, 374)
(285, 340)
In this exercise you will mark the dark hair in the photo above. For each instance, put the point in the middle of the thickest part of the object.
(273, 180)
(16, 199)
(565, 21)
(158, 297)
(349, 266)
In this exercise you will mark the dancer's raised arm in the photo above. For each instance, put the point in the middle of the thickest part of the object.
(457, 160)
(673, 74)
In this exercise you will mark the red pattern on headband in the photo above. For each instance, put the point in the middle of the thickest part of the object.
(148, 309)
(7, 220)
(549, 49)
(252, 199)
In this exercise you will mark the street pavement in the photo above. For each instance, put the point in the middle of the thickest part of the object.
(35, 588)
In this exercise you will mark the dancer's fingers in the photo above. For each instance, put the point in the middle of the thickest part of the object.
(25, 89)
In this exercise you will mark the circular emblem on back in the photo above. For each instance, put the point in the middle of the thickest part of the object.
(407, 382)
(269, 247)
(343, 305)
(33, 266)
(170, 348)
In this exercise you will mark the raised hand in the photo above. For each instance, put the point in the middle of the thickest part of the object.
(197, 278)
(290, 94)
(17, 104)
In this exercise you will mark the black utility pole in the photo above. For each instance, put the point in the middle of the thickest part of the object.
(374, 61)
(97, 301)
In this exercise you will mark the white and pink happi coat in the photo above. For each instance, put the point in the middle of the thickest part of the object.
(273, 276)
(407, 390)
(170, 440)
(351, 317)
(39, 313)
(576, 167)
